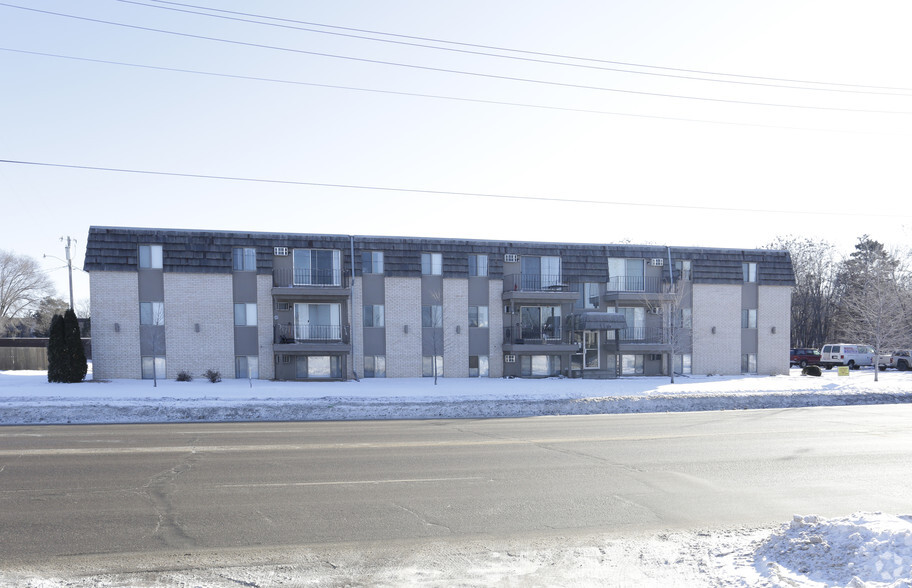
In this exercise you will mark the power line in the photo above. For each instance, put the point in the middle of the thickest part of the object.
(690, 207)
(513, 57)
(441, 96)
(527, 52)
(462, 72)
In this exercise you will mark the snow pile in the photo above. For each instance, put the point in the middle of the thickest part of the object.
(865, 550)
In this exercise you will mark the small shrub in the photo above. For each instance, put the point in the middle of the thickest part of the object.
(213, 376)
(184, 377)
(811, 370)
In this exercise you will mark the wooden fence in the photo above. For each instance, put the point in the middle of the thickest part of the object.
(30, 353)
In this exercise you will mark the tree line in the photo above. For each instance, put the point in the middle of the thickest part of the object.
(863, 297)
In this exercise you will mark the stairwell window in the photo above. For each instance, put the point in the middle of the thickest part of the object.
(748, 318)
(243, 259)
(245, 315)
(247, 366)
(374, 366)
(152, 313)
(373, 315)
(478, 366)
(372, 262)
(150, 256)
(749, 269)
(478, 265)
(749, 363)
(432, 316)
(478, 316)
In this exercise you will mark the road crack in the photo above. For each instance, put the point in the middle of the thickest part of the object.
(160, 490)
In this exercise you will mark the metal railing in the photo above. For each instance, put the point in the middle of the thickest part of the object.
(534, 283)
(287, 334)
(313, 278)
(632, 335)
(518, 335)
(648, 284)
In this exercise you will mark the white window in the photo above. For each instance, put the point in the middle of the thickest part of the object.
(748, 318)
(539, 365)
(589, 295)
(374, 366)
(750, 272)
(151, 313)
(632, 365)
(684, 269)
(318, 366)
(150, 363)
(373, 315)
(372, 262)
(590, 350)
(478, 316)
(682, 363)
(685, 318)
(626, 275)
(320, 322)
(431, 264)
(150, 256)
(636, 323)
(431, 316)
(749, 363)
(478, 265)
(243, 259)
(246, 366)
(432, 365)
(478, 366)
(317, 267)
(245, 315)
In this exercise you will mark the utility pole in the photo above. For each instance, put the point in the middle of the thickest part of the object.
(70, 268)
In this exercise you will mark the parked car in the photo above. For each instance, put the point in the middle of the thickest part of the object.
(884, 361)
(853, 355)
(804, 356)
(902, 359)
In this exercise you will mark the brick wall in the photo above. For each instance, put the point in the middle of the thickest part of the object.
(115, 300)
(495, 327)
(403, 308)
(774, 310)
(456, 314)
(716, 306)
(204, 300)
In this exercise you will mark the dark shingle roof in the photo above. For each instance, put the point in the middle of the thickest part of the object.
(196, 251)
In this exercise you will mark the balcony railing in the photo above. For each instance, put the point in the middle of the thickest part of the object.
(288, 334)
(313, 278)
(535, 283)
(517, 335)
(634, 335)
(648, 284)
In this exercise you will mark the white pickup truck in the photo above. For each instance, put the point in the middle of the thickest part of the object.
(849, 354)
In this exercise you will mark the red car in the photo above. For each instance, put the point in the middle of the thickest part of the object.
(803, 357)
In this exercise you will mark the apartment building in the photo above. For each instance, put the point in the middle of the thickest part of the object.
(335, 307)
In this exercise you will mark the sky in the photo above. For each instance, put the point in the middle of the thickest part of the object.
(705, 123)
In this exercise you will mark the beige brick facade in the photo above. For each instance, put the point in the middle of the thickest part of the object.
(716, 307)
(357, 330)
(456, 316)
(265, 321)
(204, 300)
(115, 325)
(495, 327)
(403, 310)
(774, 312)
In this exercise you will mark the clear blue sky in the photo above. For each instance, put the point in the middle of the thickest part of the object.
(710, 169)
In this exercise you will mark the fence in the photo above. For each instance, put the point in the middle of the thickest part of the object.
(30, 353)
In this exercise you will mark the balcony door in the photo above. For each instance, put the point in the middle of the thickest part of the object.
(317, 267)
(321, 322)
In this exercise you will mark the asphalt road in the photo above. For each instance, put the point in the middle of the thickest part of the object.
(68, 491)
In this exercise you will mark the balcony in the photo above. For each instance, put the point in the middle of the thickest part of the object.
(310, 337)
(297, 282)
(535, 339)
(537, 288)
(637, 288)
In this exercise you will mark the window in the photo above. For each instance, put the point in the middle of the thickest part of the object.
(150, 363)
(682, 363)
(243, 259)
(540, 273)
(749, 363)
(632, 365)
(372, 262)
(683, 268)
(317, 267)
(478, 366)
(540, 322)
(151, 313)
(748, 318)
(431, 264)
(589, 295)
(432, 365)
(150, 256)
(245, 315)
(431, 316)
(590, 349)
(626, 275)
(318, 366)
(478, 316)
(478, 265)
(539, 365)
(750, 272)
(373, 315)
(374, 366)
(685, 318)
(320, 322)
(246, 366)
(636, 323)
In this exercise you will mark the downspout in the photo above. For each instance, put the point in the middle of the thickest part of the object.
(351, 313)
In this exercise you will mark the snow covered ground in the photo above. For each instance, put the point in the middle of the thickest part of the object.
(860, 550)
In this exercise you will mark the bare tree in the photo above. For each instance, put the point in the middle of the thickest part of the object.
(872, 306)
(676, 320)
(22, 285)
